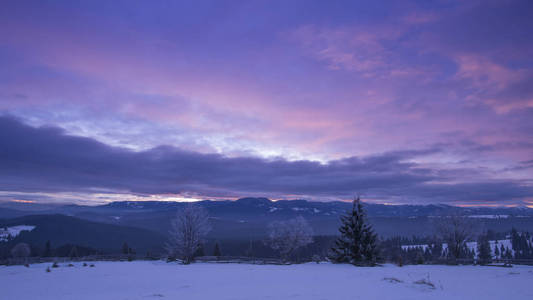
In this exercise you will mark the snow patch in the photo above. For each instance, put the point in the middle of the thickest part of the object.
(13, 231)
(471, 245)
(489, 216)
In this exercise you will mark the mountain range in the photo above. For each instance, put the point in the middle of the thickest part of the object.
(146, 223)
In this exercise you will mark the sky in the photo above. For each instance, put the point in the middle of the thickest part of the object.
(401, 102)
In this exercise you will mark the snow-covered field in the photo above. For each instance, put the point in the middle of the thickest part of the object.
(159, 280)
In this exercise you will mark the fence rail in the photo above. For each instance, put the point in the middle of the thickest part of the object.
(240, 259)
(103, 257)
(223, 259)
(114, 257)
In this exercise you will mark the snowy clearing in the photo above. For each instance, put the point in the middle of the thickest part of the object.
(489, 216)
(159, 280)
(13, 231)
(507, 244)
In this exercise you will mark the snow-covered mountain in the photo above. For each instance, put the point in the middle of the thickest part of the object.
(249, 217)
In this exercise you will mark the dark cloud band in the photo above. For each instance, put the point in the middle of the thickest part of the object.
(47, 159)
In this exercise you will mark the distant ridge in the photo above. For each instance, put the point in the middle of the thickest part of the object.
(248, 218)
(302, 206)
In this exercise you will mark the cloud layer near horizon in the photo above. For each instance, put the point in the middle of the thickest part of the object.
(46, 159)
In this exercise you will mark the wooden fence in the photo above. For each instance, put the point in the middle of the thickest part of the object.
(114, 257)
(240, 260)
(224, 259)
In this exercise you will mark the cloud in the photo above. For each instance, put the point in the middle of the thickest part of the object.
(47, 159)
(500, 87)
(360, 49)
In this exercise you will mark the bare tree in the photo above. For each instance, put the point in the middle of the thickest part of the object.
(187, 232)
(287, 236)
(21, 251)
(456, 230)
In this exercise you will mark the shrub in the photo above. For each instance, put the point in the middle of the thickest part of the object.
(400, 261)
(21, 250)
(393, 280)
(426, 281)
(316, 258)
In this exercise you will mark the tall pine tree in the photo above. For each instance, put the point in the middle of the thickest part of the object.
(73, 252)
(357, 243)
(47, 249)
(125, 248)
(217, 251)
(484, 253)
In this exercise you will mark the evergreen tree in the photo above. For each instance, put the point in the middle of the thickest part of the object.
(125, 248)
(199, 251)
(436, 250)
(419, 257)
(515, 239)
(427, 254)
(357, 243)
(217, 252)
(73, 252)
(508, 253)
(250, 250)
(483, 249)
(47, 249)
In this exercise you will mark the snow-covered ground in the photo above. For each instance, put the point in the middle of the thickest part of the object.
(13, 231)
(159, 280)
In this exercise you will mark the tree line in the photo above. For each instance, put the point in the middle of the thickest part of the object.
(357, 243)
(293, 240)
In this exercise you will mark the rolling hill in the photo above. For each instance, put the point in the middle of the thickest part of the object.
(61, 229)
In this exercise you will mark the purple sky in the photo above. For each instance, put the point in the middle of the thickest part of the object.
(398, 101)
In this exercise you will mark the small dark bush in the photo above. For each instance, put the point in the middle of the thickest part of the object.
(400, 261)
(316, 258)
(91, 265)
(85, 264)
(27, 265)
(55, 265)
(70, 265)
(393, 280)
(426, 282)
